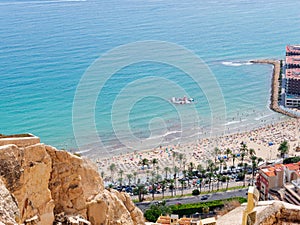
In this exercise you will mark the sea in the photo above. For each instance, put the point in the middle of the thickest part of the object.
(97, 76)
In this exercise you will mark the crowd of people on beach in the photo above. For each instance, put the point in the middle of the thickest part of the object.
(265, 141)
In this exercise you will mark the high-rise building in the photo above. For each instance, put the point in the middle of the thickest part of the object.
(292, 75)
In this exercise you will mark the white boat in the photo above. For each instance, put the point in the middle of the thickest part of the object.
(182, 101)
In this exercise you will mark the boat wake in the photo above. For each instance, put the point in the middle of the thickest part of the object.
(234, 122)
(237, 63)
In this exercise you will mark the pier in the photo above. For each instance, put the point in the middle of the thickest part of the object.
(275, 86)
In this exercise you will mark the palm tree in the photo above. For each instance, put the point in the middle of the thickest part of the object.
(120, 179)
(217, 151)
(153, 174)
(184, 163)
(180, 157)
(135, 175)
(129, 177)
(210, 175)
(244, 148)
(112, 169)
(176, 170)
(153, 187)
(221, 161)
(228, 152)
(191, 167)
(154, 162)
(171, 187)
(200, 184)
(155, 179)
(190, 172)
(147, 173)
(163, 186)
(252, 152)
(233, 158)
(141, 190)
(199, 168)
(244, 173)
(259, 160)
(158, 177)
(182, 183)
(244, 151)
(174, 156)
(166, 169)
(157, 169)
(227, 181)
(144, 162)
(254, 165)
(218, 179)
(243, 154)
(121, 176)
(283, 148)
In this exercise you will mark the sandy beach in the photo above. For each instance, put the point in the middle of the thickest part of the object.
(265, 141)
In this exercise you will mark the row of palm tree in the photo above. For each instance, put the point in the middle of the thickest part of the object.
(180, 173)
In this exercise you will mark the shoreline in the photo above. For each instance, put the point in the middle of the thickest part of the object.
(264, 140)
(274, 86)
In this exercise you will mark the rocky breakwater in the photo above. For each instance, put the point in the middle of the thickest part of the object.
(274, 105)
(42, 185)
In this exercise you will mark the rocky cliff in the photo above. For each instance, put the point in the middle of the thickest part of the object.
(267, 213)
(42, 185)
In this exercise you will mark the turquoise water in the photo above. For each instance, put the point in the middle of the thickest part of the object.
(46, 46)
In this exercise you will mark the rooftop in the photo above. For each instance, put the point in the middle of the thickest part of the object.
(271, 171)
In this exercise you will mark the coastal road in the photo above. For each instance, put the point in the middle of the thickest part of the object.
(194, 199)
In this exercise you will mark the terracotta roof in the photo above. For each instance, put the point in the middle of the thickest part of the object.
(270, 173)
(292, 166)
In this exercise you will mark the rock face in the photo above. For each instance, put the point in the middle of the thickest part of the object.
(279, 213)
(9, 211)
(268, 213)
(46, 182)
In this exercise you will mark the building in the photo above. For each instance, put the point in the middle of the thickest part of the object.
(175, 220)
(292, 187)
(292, 172)
(280, 179)
(270, 177)
(292, 76)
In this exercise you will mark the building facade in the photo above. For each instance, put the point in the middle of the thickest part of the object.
(280, 177)
(268, 178)
(292, 76)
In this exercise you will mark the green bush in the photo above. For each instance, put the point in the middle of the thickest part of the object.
(156, 210)
(291, 160)
(189, 209)
(195, 192)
